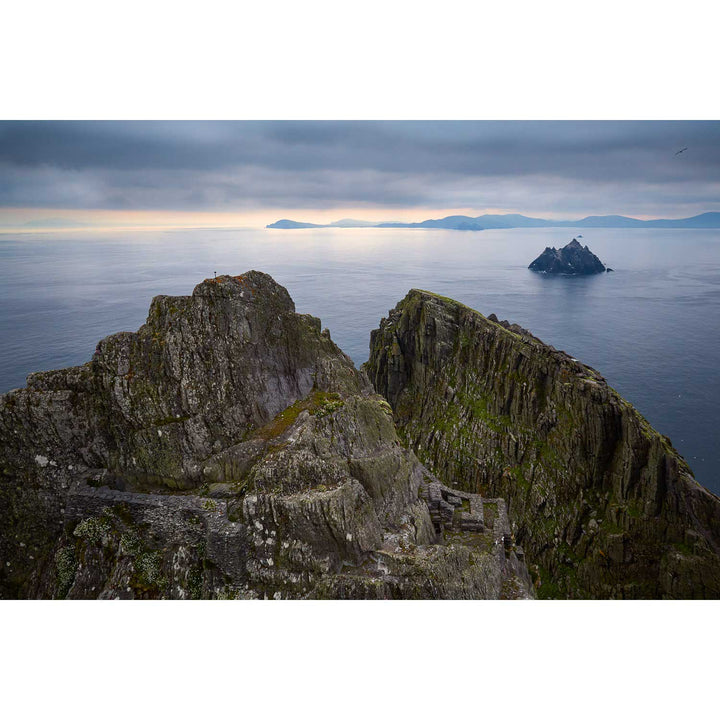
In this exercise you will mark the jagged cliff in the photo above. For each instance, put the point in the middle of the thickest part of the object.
(230, 449)
(603, 504)
(573, 259)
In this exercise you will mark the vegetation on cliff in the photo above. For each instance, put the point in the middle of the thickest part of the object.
(602, 503)
(228, 449)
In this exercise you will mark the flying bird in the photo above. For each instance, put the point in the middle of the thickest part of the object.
(681, 151)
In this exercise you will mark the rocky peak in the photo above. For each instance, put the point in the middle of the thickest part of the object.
(229, 448)
(251, 287)
(573, 259)
(602, 503)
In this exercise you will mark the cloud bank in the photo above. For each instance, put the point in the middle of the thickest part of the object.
(565, 168)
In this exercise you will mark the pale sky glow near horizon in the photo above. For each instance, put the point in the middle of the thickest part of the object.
(126, 174)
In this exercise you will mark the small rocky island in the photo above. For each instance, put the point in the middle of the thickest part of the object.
(573, 259)
(229, 449)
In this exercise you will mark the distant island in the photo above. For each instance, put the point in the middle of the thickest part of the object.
(573, 259)
(347, 223)
(497, 222)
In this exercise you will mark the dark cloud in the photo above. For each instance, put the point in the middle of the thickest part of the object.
(560, 167)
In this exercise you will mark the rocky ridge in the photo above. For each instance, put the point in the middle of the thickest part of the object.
(573, 259)
(230, 449)
(602, 503)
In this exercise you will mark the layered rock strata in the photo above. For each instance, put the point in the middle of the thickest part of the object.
(230, 449)
(602, 503)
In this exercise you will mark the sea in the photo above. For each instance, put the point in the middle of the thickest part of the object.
(651, 327)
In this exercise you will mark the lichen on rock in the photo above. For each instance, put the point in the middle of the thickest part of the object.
(228, 448)
(602, 503)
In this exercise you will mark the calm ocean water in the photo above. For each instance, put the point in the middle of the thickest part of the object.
(651, 327)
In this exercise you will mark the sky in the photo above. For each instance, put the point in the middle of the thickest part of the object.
(250, 173)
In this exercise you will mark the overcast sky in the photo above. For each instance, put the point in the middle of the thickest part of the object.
(380, 170)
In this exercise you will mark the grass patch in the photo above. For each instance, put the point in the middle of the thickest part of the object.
(316, 403)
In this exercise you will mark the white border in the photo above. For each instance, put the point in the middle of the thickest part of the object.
(558, 59)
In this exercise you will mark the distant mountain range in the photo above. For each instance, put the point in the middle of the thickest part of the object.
(494, 222)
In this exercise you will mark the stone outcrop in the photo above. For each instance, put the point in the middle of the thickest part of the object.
(230, 449)
(602, 503)
(573, 259)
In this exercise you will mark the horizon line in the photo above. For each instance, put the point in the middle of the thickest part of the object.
(43, 225)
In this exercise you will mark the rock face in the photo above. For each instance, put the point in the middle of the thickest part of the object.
(573, 259)
(602, 503)
(230, 449)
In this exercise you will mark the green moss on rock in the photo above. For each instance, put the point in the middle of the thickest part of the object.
(494, 410)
